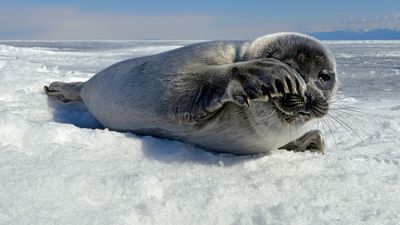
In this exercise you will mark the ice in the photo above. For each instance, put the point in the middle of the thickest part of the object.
(57, 166)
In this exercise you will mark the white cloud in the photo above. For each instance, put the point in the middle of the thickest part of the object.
(391, 22)
(71, 23)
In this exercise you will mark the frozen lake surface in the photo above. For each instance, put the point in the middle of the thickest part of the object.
(58, 167)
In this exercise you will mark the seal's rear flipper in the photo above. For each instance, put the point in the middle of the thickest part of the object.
(64, 92)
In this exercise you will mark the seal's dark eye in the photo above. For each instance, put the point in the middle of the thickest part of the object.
(325, 80)
(325, 77)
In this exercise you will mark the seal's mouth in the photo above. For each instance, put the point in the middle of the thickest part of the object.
(293, 108)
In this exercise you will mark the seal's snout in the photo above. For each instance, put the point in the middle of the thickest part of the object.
(318, 107)
(292, 103)
(292, 106)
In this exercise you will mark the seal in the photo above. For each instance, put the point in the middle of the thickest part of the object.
(240, 97)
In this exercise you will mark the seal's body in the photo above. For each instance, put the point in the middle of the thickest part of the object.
(236, 97)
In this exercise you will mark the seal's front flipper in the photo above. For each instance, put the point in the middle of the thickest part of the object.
(311, 141)
(197, 96)
(64, 92)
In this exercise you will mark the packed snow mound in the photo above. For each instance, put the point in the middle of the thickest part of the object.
(57, 166)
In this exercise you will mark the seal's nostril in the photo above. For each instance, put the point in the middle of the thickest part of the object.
(310, 102)
(279, 86)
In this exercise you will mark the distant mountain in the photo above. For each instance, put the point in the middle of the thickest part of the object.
(358, 34)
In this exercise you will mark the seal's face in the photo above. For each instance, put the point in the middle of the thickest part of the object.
(316, 66)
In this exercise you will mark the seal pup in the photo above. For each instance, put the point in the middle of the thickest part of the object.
(240, 97)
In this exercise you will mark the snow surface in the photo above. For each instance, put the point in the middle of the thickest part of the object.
(58, 167)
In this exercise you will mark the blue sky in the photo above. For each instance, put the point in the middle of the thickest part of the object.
(178, 19)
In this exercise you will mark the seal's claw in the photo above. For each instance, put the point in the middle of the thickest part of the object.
(46, 89)
(241, 100)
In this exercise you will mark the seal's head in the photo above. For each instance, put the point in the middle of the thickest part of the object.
(308, 58)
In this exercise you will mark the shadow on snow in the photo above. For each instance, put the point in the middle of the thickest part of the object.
(163, 150)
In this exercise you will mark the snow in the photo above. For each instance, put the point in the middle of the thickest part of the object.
(58, 167)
